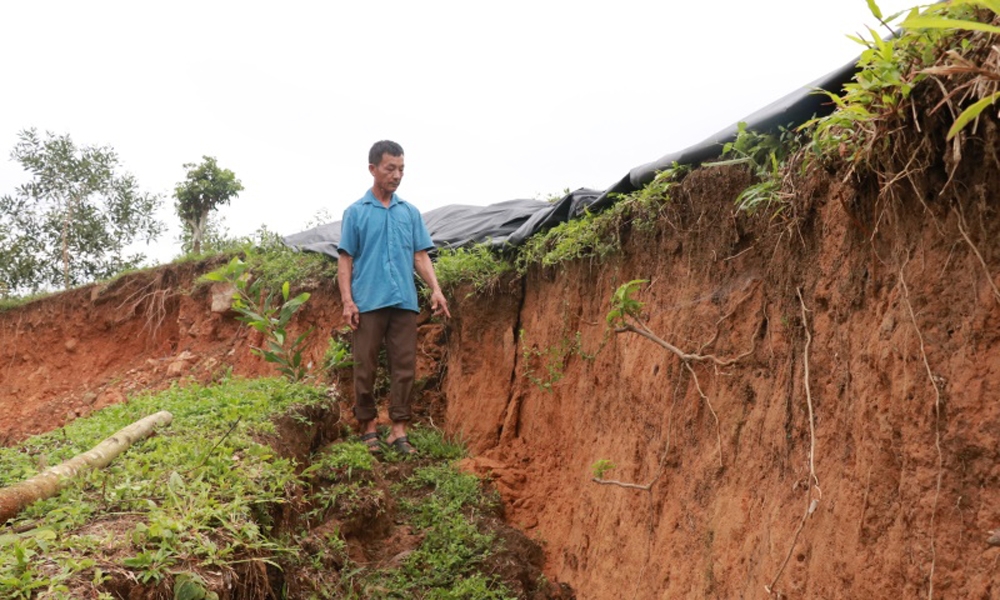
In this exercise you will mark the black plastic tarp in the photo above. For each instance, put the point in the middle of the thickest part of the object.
(450, 226)
(514, 221)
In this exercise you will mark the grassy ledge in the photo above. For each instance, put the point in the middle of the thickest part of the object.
(205, 508)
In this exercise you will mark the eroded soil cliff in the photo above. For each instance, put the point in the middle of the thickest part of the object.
(835, 434)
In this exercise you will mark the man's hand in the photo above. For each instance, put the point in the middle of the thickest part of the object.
(439, 305)
(422, 263)
(351, 315)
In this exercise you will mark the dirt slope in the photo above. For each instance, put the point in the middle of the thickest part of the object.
(903, 359)
(897, 326)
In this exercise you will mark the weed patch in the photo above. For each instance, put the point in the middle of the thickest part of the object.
(478, 266)
(165, 507)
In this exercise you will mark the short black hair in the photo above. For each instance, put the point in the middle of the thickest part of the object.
(381, 148)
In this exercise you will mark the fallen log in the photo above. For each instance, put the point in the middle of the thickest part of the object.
(48, 483)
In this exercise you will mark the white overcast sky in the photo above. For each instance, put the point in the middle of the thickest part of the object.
(490, 101)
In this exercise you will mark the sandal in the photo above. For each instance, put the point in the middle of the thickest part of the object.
(372, 442)
(403, 446)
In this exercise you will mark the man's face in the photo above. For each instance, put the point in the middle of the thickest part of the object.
(387, 173)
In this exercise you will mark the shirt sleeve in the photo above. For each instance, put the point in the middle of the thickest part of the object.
(348, 234)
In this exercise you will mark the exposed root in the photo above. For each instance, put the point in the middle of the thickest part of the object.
(708, 403)
(155, 301)
(937, 429)
(795, 538)
(809, 403)
(626, 484)
(986, 269)
(720, 320)
(684, 356)
(864, 500)
(687, 359)
(811, 502)
(659, 469)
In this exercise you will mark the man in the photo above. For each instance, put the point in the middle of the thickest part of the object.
(383, 240)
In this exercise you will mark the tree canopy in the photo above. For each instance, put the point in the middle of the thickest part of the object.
(73, 222)
(206, 187)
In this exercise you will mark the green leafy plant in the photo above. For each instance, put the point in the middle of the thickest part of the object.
(624, 305)
(479, 266)
(767, 155)
(949, 23)
(342, 461)
(444, 564)
(260, 309)
(598, 235)
(338, 352)
(172, 507)
(889, 70)
(553, 358)
(601, 467)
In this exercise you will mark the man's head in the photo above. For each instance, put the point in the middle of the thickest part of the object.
(385, 163)
(380, 149)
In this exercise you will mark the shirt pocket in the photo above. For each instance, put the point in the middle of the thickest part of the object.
(402, 232)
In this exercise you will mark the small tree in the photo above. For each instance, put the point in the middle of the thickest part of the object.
(205, 189)
(259, 308)
(72, 222)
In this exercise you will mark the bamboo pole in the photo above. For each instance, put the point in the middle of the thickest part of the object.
(48, 483)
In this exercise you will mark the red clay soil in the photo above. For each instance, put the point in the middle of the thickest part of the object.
(850, 449)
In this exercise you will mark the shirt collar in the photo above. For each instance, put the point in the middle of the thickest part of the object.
(371, 199)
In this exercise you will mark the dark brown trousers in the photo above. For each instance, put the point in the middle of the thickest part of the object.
(397, 328)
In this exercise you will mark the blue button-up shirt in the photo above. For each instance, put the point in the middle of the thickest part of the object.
(382, 241)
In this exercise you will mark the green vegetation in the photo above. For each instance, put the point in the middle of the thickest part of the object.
(624, 305)
(766, 154)
(596, 236)
(191, 497)
(338, 352)
(546, 367)
(195, 505)
(553, 360)
(72, 223)
(258, 307)
(206, 187)
(478, 266)
(445, 564)
(602, 466)
(889, 72)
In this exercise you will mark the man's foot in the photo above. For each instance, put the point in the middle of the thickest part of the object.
(372, 442)
(403, 446)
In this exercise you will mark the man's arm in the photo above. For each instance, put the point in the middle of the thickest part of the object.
(345, 268)
(424, 267)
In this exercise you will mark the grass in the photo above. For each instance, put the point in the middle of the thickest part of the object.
(167, 504)
(444, 565)
(479, 266)
(195, 504)
(597, 236)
